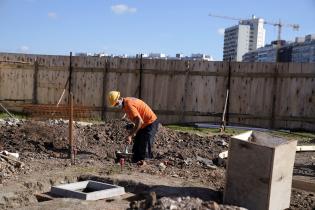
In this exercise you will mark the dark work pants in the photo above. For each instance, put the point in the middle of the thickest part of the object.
(143, 143)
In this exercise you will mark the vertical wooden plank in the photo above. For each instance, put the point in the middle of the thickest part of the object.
(282, 96)
(274, 97)
(176, 88)
(140, 77)
(219, 92)
(307, 102)
(235, 94)
(104, 93)
(183, 99)
(149, 82)
(294, 95)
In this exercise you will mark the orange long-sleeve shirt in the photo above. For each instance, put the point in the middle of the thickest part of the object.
(135, 107)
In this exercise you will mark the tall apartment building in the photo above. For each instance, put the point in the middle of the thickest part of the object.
(248, 35)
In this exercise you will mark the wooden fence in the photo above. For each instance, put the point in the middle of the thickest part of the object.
(261, 94)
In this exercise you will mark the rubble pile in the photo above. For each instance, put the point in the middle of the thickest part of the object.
(9, 165)
(11, 122)
(52, 136)
(178, 203)
(177, 154)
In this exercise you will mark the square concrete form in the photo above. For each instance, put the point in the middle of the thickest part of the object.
(88, 190)
(259, 171)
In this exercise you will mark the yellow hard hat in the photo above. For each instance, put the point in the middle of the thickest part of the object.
(113, 97)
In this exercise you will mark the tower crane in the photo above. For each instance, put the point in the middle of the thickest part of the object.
(279, 25)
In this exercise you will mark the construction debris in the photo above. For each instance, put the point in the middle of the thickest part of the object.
(10, 122)
(208, 163)
(307, 148)
(9, 164)
(15, 155)
(179, 203)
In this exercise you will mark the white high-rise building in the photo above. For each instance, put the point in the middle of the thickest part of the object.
(248, 35)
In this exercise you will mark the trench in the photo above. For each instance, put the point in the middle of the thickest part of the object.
(39, 192)
(141, 190)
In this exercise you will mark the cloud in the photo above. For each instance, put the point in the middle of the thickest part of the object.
(23, 48)
(221, 31)
(122, 8)
(52, 15)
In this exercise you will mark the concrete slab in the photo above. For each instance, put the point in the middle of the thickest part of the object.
(88, 190)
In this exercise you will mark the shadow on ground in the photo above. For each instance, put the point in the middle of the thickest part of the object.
(142, 190)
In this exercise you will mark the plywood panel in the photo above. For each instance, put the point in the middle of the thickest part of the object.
(286, 93)
(16, 81)
(309, 96)
(194, 88)
(50, 84)
(294, 94)
(149, 80)
(176, 89)
(251, 93)
(257, 96)
(128, 83)
(236, 93)
(88, 88)
(218, 90)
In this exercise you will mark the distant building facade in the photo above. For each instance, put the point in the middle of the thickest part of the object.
(247, 36)
(262, 54)
(300, 51)
(304, 52)
(285, 53)
(203, 57)
(178, 56)
(157, 56)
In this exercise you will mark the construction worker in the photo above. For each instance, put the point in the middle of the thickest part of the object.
(145, 124)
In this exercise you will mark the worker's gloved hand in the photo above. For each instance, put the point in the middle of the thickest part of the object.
(129, 126)
(129, 139)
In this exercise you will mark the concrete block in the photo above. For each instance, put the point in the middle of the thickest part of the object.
(88, 190)
(259, 171)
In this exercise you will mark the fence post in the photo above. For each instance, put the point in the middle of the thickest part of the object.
(104, 107)
(35, 82)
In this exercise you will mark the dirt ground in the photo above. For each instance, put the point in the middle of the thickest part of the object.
(182, 174)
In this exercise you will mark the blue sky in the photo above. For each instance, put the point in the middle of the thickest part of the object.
(138, 26)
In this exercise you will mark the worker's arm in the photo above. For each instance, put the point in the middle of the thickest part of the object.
(138, 123)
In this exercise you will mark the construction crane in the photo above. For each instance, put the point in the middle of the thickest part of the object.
(279, 25)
